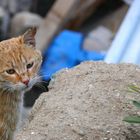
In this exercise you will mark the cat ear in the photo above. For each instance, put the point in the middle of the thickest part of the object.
(29, 36)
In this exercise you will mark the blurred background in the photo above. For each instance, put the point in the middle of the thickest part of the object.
(73, 31)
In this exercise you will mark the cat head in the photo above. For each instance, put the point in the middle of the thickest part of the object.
(19, 62)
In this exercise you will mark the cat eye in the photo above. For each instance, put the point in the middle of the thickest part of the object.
(29, 65)
(10, 71)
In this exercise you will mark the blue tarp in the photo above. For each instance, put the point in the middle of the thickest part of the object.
(65, 52)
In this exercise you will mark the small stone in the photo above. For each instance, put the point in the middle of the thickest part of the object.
(32, 133)
(24, 20)
(108, 132)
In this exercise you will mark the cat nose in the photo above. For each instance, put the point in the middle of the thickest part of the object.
(26, 82)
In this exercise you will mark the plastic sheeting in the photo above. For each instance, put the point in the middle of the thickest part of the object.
(65, 52)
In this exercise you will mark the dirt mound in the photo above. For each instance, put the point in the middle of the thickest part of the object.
(87, 102)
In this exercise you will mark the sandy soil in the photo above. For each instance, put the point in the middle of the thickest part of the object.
(87, 102)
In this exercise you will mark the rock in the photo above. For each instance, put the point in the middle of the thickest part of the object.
(14, 6)
(23, 20)
(98, 40)
(87, 102)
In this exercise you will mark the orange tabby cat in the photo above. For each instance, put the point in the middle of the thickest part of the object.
(19, 64)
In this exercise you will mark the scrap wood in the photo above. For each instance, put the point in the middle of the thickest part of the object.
(53, 22)
(114, 20)
(60, 14)
(82, 12)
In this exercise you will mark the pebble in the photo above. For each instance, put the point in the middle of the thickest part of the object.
(32, 133)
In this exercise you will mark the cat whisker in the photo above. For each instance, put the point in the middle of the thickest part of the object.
(40, 86)
(11, 87)
(43, 82)
(36, 78)
(39, 79)
(40, 73)
(42, 76)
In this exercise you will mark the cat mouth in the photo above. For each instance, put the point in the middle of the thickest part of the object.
(28, 87)
(23, 88)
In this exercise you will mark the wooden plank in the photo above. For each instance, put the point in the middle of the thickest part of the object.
(53, 22)
(63, 11)
(82, 12)
(113, 20)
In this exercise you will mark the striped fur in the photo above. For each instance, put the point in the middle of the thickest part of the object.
(16, 53)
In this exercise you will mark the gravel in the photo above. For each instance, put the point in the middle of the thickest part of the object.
(87, 102)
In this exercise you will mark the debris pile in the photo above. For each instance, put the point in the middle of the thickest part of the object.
(88, 101)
